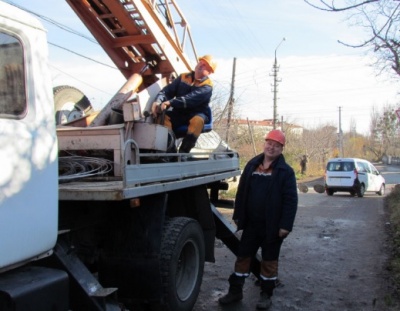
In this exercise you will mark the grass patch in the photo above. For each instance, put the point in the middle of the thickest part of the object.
(228, 194)
(392, 206)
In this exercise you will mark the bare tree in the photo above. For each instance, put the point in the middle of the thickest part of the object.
(354, 145)
(385, 137)
(316, 144)
(381, 19)
(333, 7)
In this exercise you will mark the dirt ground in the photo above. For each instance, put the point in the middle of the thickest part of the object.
(335, 259)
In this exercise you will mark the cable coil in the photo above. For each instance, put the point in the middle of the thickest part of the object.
(73, 167)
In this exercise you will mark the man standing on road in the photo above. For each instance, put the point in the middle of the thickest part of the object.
(265, 209)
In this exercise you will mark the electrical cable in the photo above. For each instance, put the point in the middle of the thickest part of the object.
(76, 53)
(51, 21)
(75, 167)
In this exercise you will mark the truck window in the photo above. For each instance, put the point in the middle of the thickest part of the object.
(12, 82)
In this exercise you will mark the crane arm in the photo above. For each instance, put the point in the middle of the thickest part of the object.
(137, 33)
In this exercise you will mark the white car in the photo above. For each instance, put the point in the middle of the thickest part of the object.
(353, 175)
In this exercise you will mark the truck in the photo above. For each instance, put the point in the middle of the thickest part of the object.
(96, 214)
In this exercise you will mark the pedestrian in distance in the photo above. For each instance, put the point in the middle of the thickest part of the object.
(265, 209)
(303, 164)
(186, 102)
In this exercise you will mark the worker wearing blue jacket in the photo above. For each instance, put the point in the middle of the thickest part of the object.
(189, 96)
(265, 209)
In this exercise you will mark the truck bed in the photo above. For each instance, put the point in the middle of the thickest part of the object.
(145, 179)
(141, 176)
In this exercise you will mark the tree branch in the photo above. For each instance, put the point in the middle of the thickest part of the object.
(332, 8)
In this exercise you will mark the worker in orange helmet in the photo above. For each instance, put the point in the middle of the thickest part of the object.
(265, 209)
(186, 102)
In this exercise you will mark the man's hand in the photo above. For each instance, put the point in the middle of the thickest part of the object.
(155, 109)
(165, 105)
(283, 233)
(158, 108)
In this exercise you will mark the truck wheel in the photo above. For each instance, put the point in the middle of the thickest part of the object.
(182, 263)
(70, 104)
(329, 191)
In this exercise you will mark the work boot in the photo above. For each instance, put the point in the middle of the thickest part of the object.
(267, 289)
(188, 143)
(265, 302)
(235, 292)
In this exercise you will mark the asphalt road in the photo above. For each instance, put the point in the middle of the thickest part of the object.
(335, 258)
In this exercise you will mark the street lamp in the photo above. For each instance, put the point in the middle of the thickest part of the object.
(275, 73)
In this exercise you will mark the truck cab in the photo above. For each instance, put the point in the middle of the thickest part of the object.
(28, 153)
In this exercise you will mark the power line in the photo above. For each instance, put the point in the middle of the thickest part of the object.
(74, 32)
(84, 82)
(65, 28)
(48, 19)
(89, 58)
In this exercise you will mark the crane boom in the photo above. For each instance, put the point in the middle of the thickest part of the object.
(136, 33)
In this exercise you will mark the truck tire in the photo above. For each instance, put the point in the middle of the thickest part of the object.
(182, 263)
(70, 104)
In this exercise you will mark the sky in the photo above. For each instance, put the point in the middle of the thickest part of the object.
(320, 80)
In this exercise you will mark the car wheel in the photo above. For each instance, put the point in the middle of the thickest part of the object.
(329, 191)
(352, 193)
(361, 191)
(381, 190)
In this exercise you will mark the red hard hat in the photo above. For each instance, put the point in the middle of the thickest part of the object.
(277, 136)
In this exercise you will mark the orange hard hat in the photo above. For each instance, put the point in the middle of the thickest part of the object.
(276, 135)
(210, 61)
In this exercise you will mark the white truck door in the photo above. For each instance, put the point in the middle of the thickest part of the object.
(28, 152)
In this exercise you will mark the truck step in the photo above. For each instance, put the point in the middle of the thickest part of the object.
(35, 289)
(226, 233)
(93, 295)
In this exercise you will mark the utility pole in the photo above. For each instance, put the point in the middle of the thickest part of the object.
(231, 101)
(275, 70)
(340, 134)
(252, 136)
